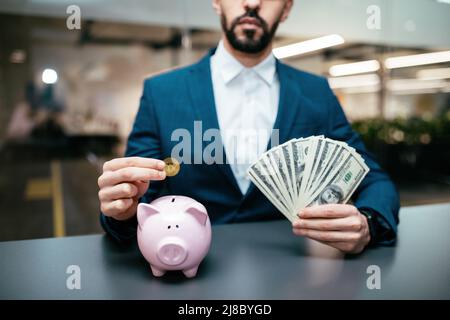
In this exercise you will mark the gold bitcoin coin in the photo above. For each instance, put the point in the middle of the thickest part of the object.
(172, 167)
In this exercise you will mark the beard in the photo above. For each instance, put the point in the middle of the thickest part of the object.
(249, 44)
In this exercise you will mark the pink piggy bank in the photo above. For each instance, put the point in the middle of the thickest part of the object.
(174, 233)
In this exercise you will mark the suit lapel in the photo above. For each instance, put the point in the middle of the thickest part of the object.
(202, 94)
(289, 103)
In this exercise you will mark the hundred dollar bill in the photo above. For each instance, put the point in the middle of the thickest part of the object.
(287, 156)
(300, 150)
(279, 164)
(268, 169)
(308, 171)
(267, 194)
(342, 184)
(325, 152)
(312, 154)
(327, 160)
(261, 180)
(334, 166)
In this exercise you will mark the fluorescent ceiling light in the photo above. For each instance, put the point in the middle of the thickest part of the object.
(371, 83)
(368, 80)
(415, 92)
(308, 46)
(433, 74)
(354, 68)
(414, 84)
(417, 60)
(359, 90)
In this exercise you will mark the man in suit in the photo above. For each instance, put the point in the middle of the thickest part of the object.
(240, 86)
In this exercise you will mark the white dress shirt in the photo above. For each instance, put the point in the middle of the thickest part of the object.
(246, 104)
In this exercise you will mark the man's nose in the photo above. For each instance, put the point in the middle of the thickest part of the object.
(252, 4)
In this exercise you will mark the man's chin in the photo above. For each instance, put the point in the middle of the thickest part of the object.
(249, 43)
(249, 34)
(246, 44)
(252, 42)
(250, 50)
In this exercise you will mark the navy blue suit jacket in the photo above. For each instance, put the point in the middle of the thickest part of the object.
(307, 107)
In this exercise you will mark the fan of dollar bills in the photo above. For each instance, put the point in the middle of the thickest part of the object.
(308, 171)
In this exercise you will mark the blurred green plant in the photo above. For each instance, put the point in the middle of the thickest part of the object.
(412, 131)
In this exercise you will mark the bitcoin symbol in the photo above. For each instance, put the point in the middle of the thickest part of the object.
(172, 167)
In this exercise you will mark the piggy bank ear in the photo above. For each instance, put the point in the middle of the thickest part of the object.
(199, 213)
(144, 211)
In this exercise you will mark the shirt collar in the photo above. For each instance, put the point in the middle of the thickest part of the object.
(229, 67)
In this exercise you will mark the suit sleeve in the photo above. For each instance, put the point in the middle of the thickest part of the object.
(143, 141)
(376, 192)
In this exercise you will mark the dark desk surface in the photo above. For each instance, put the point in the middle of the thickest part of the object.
(247, 261)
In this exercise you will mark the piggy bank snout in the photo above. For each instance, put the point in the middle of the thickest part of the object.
(172, 252)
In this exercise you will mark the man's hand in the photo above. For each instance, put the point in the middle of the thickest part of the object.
(341, 226)
(124, 181)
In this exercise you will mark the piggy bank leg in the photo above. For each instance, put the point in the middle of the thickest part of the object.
(156, 272)
(190, 273)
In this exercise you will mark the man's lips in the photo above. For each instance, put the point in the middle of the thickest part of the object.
(250, 21)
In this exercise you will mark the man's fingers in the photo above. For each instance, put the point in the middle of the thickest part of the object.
(119, 191)
(116, 207)
(123, 181)
(327, 236)
(129, 174)
(121, 163)
(328, 211)
(346, 247)
(352, 223)
(142, 187)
